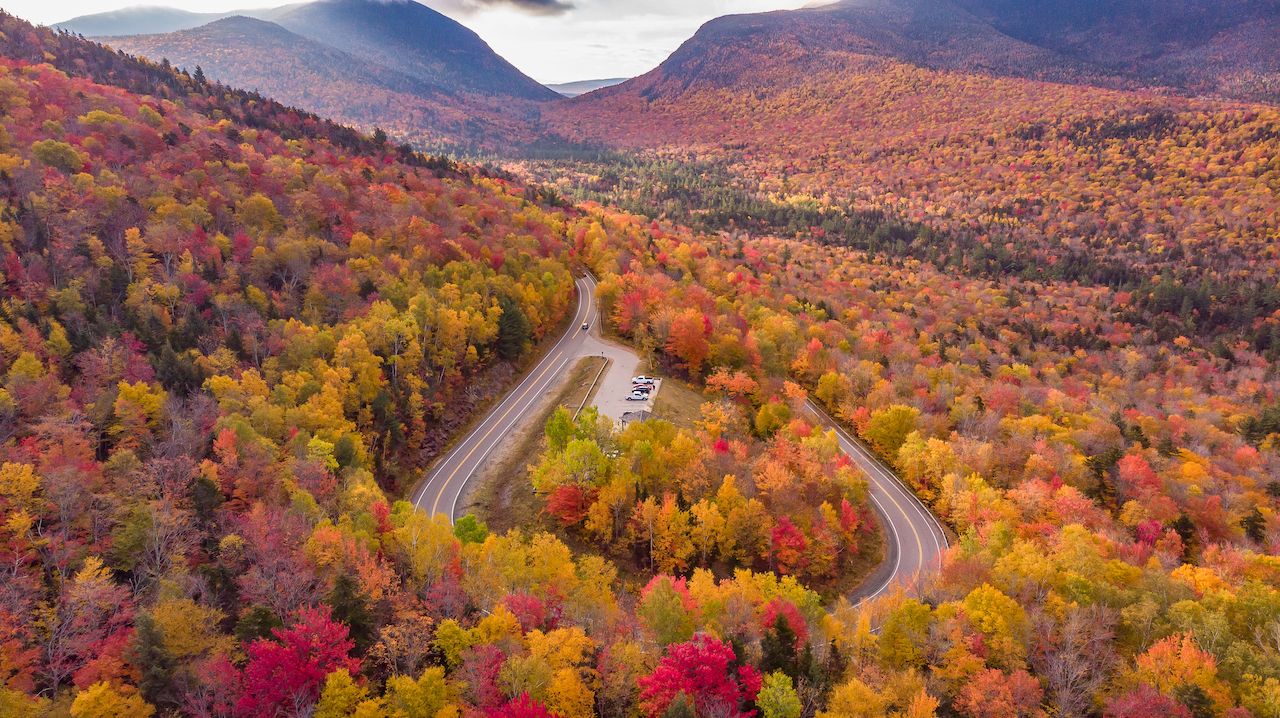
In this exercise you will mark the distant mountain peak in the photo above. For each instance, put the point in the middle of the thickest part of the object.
(414, 39)
(1220, 47)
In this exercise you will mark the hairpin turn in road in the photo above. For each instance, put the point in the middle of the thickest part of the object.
(914, 539)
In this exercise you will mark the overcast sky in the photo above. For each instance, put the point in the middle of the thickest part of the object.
(551, 40)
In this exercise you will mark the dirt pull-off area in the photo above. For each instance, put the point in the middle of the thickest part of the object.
(502, 494)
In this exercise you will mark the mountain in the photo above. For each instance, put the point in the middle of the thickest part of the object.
(930, 33)
(1230, 48)
(415, 40)
(141, 20)
(581, 87)
(267, 58)
(396, 65)
(920, 111)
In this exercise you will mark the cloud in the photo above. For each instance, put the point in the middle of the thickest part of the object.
(535, 7)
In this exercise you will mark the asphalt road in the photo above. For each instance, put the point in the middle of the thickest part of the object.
(446, 481)
(914, 539)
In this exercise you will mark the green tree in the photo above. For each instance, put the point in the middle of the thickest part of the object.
(470, 529)
(352, 608)
(778, 698)
(559, 429)
(154, 662)
(514, 329)
(888, 428)
(771, 417)
(59, 155)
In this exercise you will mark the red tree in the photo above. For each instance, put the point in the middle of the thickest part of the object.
(687, 339)
(1145, 702)
(531, 611)
(479, 671)
(569, 503)
(789, 546)
(706, 670)
(995, 694)
(288, 673)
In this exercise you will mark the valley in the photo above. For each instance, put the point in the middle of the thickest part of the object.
(322, 330)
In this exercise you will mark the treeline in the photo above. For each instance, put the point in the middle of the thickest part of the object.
(78, 57)
(708, 196)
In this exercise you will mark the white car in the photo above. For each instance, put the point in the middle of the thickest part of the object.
(586, 326)
(638, 396)
(647, 380)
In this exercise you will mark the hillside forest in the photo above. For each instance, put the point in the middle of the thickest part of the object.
(233, 334)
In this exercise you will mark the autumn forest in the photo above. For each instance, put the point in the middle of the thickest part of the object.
(235, 335)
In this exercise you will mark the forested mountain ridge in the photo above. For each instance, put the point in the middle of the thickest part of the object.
(397, 65)
(1196, 46)
(411, 38)
(989, 174)
(265, 57)
(1226, 47)
(230, 330)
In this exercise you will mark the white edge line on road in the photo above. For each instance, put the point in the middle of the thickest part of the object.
(436, 472)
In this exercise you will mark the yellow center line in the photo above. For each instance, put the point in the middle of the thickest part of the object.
(888, 492)
(530, 385)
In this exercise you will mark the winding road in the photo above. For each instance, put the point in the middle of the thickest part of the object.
(914, 539)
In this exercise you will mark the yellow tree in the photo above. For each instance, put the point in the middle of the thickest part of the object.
(103, 700)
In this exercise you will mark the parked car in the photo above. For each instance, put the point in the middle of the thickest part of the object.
(641, 389)
(638, 396)
(642, 379)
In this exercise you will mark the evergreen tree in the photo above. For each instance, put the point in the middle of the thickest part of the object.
(1194, 698)
(1186, 529)
(514, 329)
(257, 622)
(1254, 525)
(778, 648)
(155, 664)
(681, 707)
(352, 608)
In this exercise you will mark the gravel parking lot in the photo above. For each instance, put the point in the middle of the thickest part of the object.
(615, 385)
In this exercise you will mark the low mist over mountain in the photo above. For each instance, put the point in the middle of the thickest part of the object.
(581, 87)
(142, 20)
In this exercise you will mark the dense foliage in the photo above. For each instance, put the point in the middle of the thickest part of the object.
(1114, 494)
(221, 343)
(230, 331)
(745, 488)
(1050, 175)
